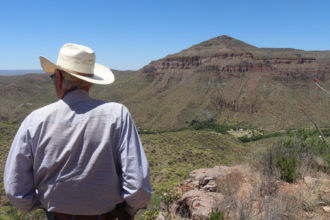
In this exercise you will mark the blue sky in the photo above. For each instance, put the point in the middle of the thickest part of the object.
(128, 34)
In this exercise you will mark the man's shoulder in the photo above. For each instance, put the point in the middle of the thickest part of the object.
(110, 105)
(59, 110)
(42, 111)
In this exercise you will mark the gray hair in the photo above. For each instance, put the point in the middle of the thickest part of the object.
(71, 82)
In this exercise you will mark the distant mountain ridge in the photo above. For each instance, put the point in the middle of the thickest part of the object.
(19, 72)
(226, 44)
(222, 79)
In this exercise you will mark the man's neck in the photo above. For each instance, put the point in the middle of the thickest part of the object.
(86, 89)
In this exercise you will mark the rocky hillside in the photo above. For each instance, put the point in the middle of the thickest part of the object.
(227, 80)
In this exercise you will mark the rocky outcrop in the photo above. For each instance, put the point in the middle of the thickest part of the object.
(221, 187)
(292, 60)
(198, 204)
(149, 69)
(246, 62)
(241, 67)
(199, 193)
(177, 63)
(231, 55)
(245, 67)
(207, 68)
(189, 62)
(310, 182)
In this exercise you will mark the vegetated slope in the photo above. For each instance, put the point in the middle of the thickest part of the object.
(7, 133)
(20, 95)
(173, 155)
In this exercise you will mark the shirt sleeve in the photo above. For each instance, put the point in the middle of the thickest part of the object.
(135, 171)
(18, 176)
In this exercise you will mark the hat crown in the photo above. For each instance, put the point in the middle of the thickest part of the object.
(77, 58)
(79, 61)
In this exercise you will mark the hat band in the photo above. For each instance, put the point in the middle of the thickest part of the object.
(75, 72)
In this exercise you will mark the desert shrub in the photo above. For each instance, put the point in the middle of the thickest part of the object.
(207, 126)
(5, 202)
(268, 186)
(245, 138)
(326, 132)
(308, 146)
(14, 214)
(146, 132)
(168, 197)
(152, 210)
(296, 151)
(288, 167)
(150, 214)
(228, 185)
(267, 161)
(217, 215)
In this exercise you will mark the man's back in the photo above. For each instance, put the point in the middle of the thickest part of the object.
(84, 154)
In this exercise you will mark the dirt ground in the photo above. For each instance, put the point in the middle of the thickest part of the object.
(237, 134)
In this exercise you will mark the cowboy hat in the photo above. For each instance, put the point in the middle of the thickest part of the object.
(79, 61)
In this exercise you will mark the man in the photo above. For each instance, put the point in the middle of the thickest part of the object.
(78, 158)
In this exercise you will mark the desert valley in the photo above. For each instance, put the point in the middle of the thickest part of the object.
(222, 126)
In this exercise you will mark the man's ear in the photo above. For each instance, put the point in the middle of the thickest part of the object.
(60, 79)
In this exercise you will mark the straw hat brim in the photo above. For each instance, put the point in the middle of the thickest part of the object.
(102, 74)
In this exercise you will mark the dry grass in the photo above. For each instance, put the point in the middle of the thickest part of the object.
(237, 134)
(229, 185)
(249, 194)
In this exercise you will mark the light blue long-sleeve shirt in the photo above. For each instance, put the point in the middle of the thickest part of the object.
(78, 156)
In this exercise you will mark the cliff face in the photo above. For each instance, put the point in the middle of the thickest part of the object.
(243, 62)
(287, 60)
(194, 61)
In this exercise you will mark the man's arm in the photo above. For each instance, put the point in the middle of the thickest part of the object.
(18, 177)
(135, 172)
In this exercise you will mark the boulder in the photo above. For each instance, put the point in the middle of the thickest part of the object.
(210, 187)
(188, 185)
(326, 208)
(310, 182)
(212, 173)
(198, 204)
(205, 180)
(199, 193)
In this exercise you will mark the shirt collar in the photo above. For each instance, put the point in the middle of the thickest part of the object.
(75, 95)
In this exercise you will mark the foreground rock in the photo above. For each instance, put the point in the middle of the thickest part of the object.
(199, 193)
(310, 182)
(326, 208)
(238, 191)
(198, 204)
